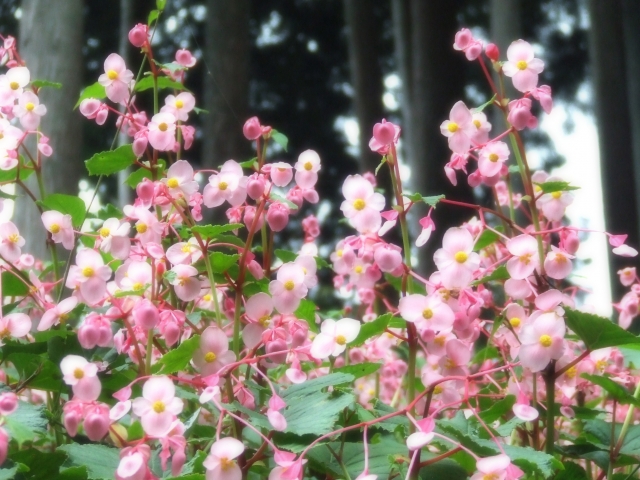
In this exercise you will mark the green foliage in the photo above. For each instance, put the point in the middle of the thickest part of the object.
(92, 91)
(431, 201)
(212, 232)
(599, 332)
(498, 274)
(136, 176)
(45, 83)
(26, 422)
(12, 286)
(280, 138)
(372, 329)
(111, 161)
(617, 391)
(147, 83)
(101, 461)
(360, 369)
(67, 205)
(10, 176)
(487, 237)
(221, 262)
(307, 312)
(178, 358)
(551, 187)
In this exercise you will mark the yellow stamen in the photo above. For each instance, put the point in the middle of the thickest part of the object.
(308, 166)
(112, 74)
(29, 106)
(546, 340)
(163, 127)
(158, 406)
(521, 65)
(104, 232)
(14, 85)
(179, 104)
(453, 127)
(427, 314)
(55, 228)
(556, 195)
(223, 185)
(289, 285)
(78, 373)
(359, 204)
(340, 340)
(141, 227)
(493, 157)
(515, 322)
(88, 272)
(210, 357)
(461, 257)
(173, 183)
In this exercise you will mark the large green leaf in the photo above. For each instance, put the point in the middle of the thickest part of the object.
(360, 369)
(111, 161)
(213, 231)
(163, 82)
(601, 430)
(27, 422)
(221, 262)
(307, 312)
(372, 329)
(12, 286)
(101, 461)
(92, 91)
(67, 205)
(599, 332)
(617, 391)
(177, 359)
(280, 138)
(8, 176)
(37, 371)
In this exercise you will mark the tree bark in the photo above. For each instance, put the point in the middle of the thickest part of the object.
(607, 48)
(51, 41)
(125, 192)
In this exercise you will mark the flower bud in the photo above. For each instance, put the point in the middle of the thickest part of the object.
(277, 216)
(251, 129)
(138, 35)
(8, 403)
(96, 423)
(145, 315)
(256, 186)
(492, 51)
(384, 132)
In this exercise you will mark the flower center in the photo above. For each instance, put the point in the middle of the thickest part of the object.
(223, 185)
(186, 248)
(163, 127)
(526, 258)
(515, 322)
(226, 464)
(427, 314)
(78, 373)
(158, 406)
(440, 341)
(104, 232)
(453, 127)
(461, 257)
(207, 297)
(438, 389)
(308, 166)
(477, 123)
(29, 106)
(210, 357)
(572, 372)
(556, 195)
(14, 238)
(491, 476)
(358, 269)
(545, 340)
(493, 157)
(141, 227)
(449, 363)
(14, 85)
(179, 104)
(339, 253)
(5, 333)
(601, 365)
(88, 272)
(340, 340)
(522, 65)
(137, 286)
(55, 228)
(265, 320)
(359, 204)
(173, 183)
(289, 285)
(560, 258)
(112, 74)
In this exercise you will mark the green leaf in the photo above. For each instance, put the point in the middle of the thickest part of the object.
(101, 461)
(45, 83)
(161, 4)
(572, 471)
(41, 464)
(617, 391)
(484, 105)
(372, 329)
(599, 332)
(7, 176)
(307, 312)
(38, 372)
(286, 255)
(12, 286)
(486, 238)
(111, 161)
(498, 409)
(360, 369)
(601, 430)
(221, 262)
(551, 187)
(280, 138)
(27, 422)
(153, 16)
(309, 387)
(498, 274)
(92, 91)
(146, 83)
(177, 359)
(434, 200)
(67, 205)
(301, 422)
(253, 164)
(213, 231)
(279, 198)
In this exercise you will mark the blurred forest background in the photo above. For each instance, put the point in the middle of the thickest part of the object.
(321, 71)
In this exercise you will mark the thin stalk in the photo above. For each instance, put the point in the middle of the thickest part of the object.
(550, 384)
(627, 423)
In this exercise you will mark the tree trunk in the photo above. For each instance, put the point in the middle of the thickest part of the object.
(614, 126)
(125, 192)
(51, 41)
(226, 81)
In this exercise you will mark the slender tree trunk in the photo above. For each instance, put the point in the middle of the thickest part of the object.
(226, 81)
(125, 193)
(614, 126)
(51, 41)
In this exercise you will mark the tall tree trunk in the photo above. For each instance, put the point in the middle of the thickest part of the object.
(366, 78)
(437, 83)
(614, 126)
(226, 81)
(125, 193)
(51, 41)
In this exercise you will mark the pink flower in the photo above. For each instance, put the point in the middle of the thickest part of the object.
(29, 110)
(14, 325)
(258, 311)
(307, 168)
(133, 463)
(60, 227)
(180, 180)
(10, 242)
(90, 274)
(139, 35)
(158, 406)
(522, 67)
(185, 58)
(220, 463)
(12, 84)
(252, 129)
(543, 95)
(54, 314)
(542, 341)
(179, 105)
(333, 337)
(214, 352)
(8, 403)
(627, 276)
(93, 108)
(116, 78)
(428, 226)
(492, 157)
(230, 185)
(494, 468)
(288, 288)
(520, 115)
(558, 264)
(362, 205)
(465, 42)
(81, 375)
(281, 173)
(428, 312)
(184, 252)
(162, 131)
(524, 261)
(554, 204)
(482, 128)
(459, 128)
(384, 133)
(456, 260)
(114, 238)
(187, 287)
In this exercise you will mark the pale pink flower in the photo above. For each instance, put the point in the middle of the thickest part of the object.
(258, 311)
(428, 226)
(459, 128)
(186, 283)
(492, 157)
(54, 314)
(520, 116)
(149, 229)
(14, 325)
(10, 242)
(427, 312)
(482, 128)
(185, 58)
(180, 180)
(494, 468)
(133, 463)
(554, 204)
(221, 463)
(139, 35)
(456, 260)
(12, 84)
(214, 352)
(524, 261)
(557, 263)
(334, 337)
(288, 288)
(309, 266)
(184, 252)
(522, 67)
(543, 95)
(627, 276)
(60, 227)
(90, 274)
(162, 131)
(625, 251)
(114, 238)
(307, 168)
(281, 173)
(158, 406)
(179, 106)
(134, 276)
(29, 110)
(523, 410)
(11, 135)
(362, 205)
(116, 78)
(230, 185)
(542, 341)
(92, 108)
(81, 375)
(465, 42)
(384, 135)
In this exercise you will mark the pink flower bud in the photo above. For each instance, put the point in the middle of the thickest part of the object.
(96, 423)
(177, 462)
(185, 58)
(296, 196)
(138, 35)
(569, 241)
(384, 132)
(492, 51)
(277, 216)
(520, 114)
(145, 315)
(188, 134)
(71, 421)
(388, 257)
(463, 39)
(251, 129)
(4, 445)
(146, 191)
(140, 144)
(256, 186)
(281, 174)
(277, 346)
(8, 403)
